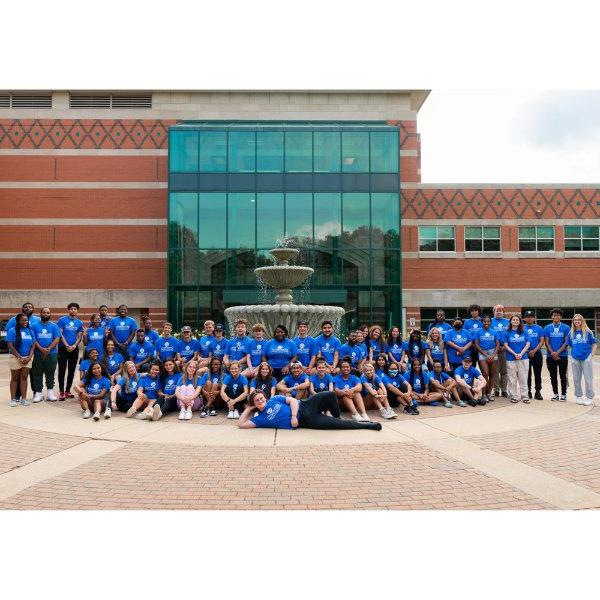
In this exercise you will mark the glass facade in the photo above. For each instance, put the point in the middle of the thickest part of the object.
(236, 188)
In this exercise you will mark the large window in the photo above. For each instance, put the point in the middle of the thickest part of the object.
(436, 238)
(580, 238)
(536, 239)
(482, 239)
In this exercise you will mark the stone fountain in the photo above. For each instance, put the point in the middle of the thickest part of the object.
(284, 277)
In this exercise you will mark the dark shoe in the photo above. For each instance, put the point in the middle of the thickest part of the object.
(407, 410)
(471, 402)
(530, 394)
(538, 396)
(414, 409)
(482, 402)
(504, 393)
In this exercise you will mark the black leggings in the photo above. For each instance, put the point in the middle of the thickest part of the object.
(66, 359)
(535, 365)
(560, 366)
(167, 405)
(309, 414)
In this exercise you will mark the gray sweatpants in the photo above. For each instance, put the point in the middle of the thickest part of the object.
(585, 368)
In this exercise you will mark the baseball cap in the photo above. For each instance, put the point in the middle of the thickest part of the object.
(529, 313)
(467, 358)
(219, 327)
(186, 328)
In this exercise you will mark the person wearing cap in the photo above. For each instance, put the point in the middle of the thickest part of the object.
(470, 382)
(295, 384)
(141, 352)
(457, 342)
(305, 344)
(536, 360)
(188, 349)
(218, 346)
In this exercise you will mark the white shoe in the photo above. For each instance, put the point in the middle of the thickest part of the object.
(131, 412)
(87, 414)
(588, 402)
(357, 417)
(230, 414)
(142, 416)
(13, 403)
(108, 413)
(37, 397)
(391, 414)
(24, 402)
(236, 414)
(365, 417)
(182, 414)
(579, 400)
(96, 416)
(188, 414)
(156, 413)
(51, 397)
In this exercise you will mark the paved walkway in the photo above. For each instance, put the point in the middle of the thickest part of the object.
(544, 455)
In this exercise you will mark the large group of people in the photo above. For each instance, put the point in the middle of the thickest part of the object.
(289, 382)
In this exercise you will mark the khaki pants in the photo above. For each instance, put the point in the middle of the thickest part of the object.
(517, 371)
(500, 376)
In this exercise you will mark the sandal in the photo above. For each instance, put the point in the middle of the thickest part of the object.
(514, 401)
(526, 401)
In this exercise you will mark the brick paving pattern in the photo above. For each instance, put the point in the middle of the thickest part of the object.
(152, 476)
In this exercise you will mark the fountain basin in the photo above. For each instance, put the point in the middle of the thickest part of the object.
(284, 277)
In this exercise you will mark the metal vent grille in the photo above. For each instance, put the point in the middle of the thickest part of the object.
(89, 101)
(4, 100)
(132, 101)
(110, 101)
(31, 101)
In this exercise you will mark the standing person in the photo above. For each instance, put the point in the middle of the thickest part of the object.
(536, 360)
(212, 387)
(436, 350)
(237, 347)
(374, 391)
(306, 347)
(470, 382)
(93, 336)
(234, 390)
(360, 341)
(94, 392)
(354, 352)
(393, 346)
(166, 345)
(321, 380)
(281, 352)
(121, 330)
(141, 351)
(149, 334)
(557, 358)
(516, 343)
(457, 342)
(205, 342)
(47, 336)
(20, 340)
(124, 392)
(487, 344)
(112, 361)
(188, 348)
(189, 390)
(414, 348)
(27, 309)
(104, 316)
(440, 322)
(256, 350)
(347, 387)
(473, 325)
(288, 413)
(583, 346)
(375, 343)
(71, 329)
(218, 346)
(264, 380)
(296, 383)
(328, 346)
(169, 381)
(500, 325)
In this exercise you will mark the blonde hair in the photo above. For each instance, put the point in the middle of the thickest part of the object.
(128, 377)
(584, 326)
(186, 374)
(430, 341)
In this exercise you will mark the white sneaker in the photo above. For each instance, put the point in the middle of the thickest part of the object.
(357, 417)
(51, 397)
(108, 413)
(13, 402)
(554, 398)
(87, 414)
(182, 414)
(563, 398)
(37, 397)
(230, 414)
(96, 416)
(188, 414)
(236, 414)
(24, 402)
(587, 402)
(384, 412)
(391, 414)
(365, 417)
(141, 416)
(156, 413)
(131, 412)
(579, 400)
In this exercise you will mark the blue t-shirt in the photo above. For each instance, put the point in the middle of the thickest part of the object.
(187, 349)
(443, 327)
(437, 353)
(151, 336)
(12, 322)
(581, 344)
(151, 386)
(418, 384)
(535, 333)
(486, 338)
(69, 328)
(396, 381)
(27, 340)
(169, 383)
(339, 383)
(468, 375)
(95, 386)
(214, 377)
(472, 326)
(104, 321)
(415, 349)
(354, 352)
(256, 349)
(460, 338)
(306, 349)
(441, 377)
(516, 342)
(234, 386)
(166, 347)
(377, 346)
(114, 362)
(237, 348)
(375, 382)
(363, 347)
(85, 364)
(279, 354)
(205, 342)
(45, 334)
(264, 386)
(219, 347)
(327, 347)
(133, 387)
(122, 328)
(321, 385)
(395, 349)
(277, 413)
(95, 339)
(499, 325)
(200, 380)
(557, 335)
(140, 352)
(291, 381)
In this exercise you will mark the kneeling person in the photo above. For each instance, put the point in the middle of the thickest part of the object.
(470, 382)
(295, 384)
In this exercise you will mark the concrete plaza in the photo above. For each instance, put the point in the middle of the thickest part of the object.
(543, 455)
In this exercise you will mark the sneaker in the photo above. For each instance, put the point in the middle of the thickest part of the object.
(407, 410)
(230, 414)
(365, 417)
(357, 417)
(554, 398)
(13, 402)
(383, 411)
(563, 398)
(530, 394)
(108, 413)
(414, 409)
(96, 416)
(203, 413)
(188, 414)
(51, 397)
(538, 396)
(131, 412)
(504, 393)
(37, 397)
(61, 396)
(482, 401)
(390, 414)
(497, 393)
(24, 402)
(579, 400)
(447, 403)
(69, 395)
(182, 414)
(462, 403)
(87, 414)
(236, 414)
(588, 402)
(156, 413)
(141, 416)
(213, 412)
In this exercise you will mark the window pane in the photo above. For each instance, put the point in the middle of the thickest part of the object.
(491, 245)
(213, 151)
(545, 245)
(240, 267)
(572, 244)
(472, 233)
(589, 231)
(183, 220)
(590, 244)
(355, 220)
(269, 220)
(298, 218)
(385, 267)
(491, 233)
(445, 232)
(526, 245)
(298, 151)
(328, 268)
(428, 233)
(427, 245)
(241, 152)
(355, 151)
(572, 231)
(545, 232)
(241, 222)
(211, 267)
(356, 267)
(473, 245)
(328, 219)
(385, 220)
(446, 245)
(183, 151)
(269, 151)
(526, 233)
(384, 152)
(327, 152)
(212, 220)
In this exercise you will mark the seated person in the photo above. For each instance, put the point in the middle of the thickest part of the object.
(264, 380)
(399, 392)
(189, 390)
(212, 387)
(347, 387)
(148, 389)
(442, 382)
(94, 391)
(321, 381)
(169, 381)
(188, 349)
(295, 384)
(374, 391)
(471, 382)
(418, 379)
(86, 363)
(124, 392)
(113, 362)
(234, 390)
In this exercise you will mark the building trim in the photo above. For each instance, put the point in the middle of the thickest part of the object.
(498, 186)
(84, 152)
(122, 185)
(88, 298)
(85, 222)
(485, 221)
(81, 255)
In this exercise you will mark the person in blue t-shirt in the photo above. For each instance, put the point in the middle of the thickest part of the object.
(71, 329)
(205, 342)
(86, 363)
(440, 322)
(306, 347)
(256, 351)
(353, 351)
(26, 309)
(473, 325)
(141, 352)
(516, 344)
(536, 360)
(283, 412)
(399, 391)
(583, 345)
(124, 392)
(321, 381)
(457, 343)
(374, 392)
(414, 348)
(104, 316)
(418, 379)
(93, 336)
(393, 346)
(212, 388)
(360, 341)
(296, 383)
(487, 344)
(148, 390)
(47, 337)
(21, 344)
(470, 382)
(169, 381)
(189, 391)
(166, 344)
(112, 361)
(237, 347)
(281, 352)
(347, 387)
(94, 392)
(149, 334)
(381, 366)
(557, 357)
(188, 349)
(328, 346)
(375, 343)
(234, 390)
(442, 382)
(121, 330)
(500, 325)
(436, 350)
(218, 346)
(264, 380)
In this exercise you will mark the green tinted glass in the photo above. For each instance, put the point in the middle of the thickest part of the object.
(572, 231)
(298, 218)
(385, 220)
(183, 220)
(355, 151)
(590, 244)
(213, 151)
(589, 231)
(212, 220)
(427, 233)
(241, 220)
(327, 152)
(355, 220)
(545, 232)
(491, 233)
(445, 233)
(269, 151)
(327, 219)
(269, 220)
(526, 233)
(298, 151)
(472, 233)
(242, 152)
(384, 152)
(183, 151)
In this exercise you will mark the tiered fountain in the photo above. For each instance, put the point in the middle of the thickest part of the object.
(284, 278)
